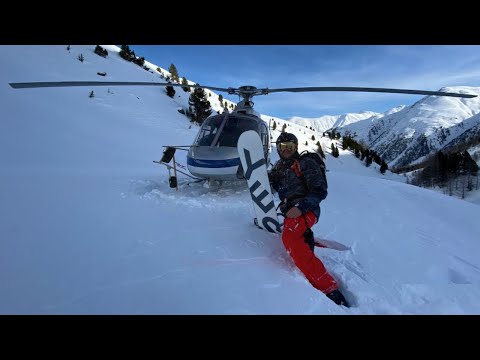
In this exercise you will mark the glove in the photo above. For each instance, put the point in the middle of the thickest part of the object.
(270, 176)
(285, 206)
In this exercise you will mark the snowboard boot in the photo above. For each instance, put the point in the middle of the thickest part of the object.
(337, 297)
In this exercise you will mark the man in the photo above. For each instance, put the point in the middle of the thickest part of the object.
(301, 186)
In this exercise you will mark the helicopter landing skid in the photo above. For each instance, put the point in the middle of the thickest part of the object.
(190, 182)
(173, 179)
(212, 184)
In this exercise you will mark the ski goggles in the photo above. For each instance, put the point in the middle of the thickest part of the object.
(289, 145)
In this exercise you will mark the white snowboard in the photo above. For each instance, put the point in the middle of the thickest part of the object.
(251, 153)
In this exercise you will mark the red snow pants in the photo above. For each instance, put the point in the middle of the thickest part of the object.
(305, 259)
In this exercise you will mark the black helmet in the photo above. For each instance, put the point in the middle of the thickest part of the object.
(286, 137)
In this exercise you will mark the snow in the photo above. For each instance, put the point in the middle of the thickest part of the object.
(89, 225)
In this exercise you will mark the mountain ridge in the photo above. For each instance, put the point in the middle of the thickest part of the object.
(405, 135)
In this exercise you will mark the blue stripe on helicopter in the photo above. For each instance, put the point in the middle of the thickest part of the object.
(213, 163)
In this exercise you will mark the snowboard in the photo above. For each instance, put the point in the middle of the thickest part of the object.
(330, 244)
(252, 157)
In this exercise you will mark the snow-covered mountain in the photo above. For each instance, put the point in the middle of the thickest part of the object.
(407, 134)
(469, 135)
(326, 122)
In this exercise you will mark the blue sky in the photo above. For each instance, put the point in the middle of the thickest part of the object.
(273, 66)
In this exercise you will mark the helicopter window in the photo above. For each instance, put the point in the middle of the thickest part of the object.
(232, 130)
(234, 127)
(208, 131)
(264, 134)
(206, 136)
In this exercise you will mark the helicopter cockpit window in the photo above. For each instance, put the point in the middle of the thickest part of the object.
(234, 127)
(209, 129)
(232, 130)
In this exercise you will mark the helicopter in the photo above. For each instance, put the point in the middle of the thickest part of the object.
(213, 156)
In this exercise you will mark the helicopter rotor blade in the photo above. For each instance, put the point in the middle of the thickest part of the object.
(241, 91)
(368, 89)
(45, 84)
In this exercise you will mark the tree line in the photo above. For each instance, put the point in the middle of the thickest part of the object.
(199, 106)
(363, 153)
(454, 172)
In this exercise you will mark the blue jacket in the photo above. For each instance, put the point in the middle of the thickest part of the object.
(293, 190)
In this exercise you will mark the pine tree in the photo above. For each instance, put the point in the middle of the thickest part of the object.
(185, 82)
(125, 52)
(170, 91)
(368, 158)
(335, 152)
(173, 72)
(383, 167)
(100, 51)
(199, 105)
(320, 150)
(471, 166)
(139, 61)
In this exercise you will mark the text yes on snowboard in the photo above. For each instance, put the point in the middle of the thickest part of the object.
(251, 153)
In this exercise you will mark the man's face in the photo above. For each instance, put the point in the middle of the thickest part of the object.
(287, 149)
